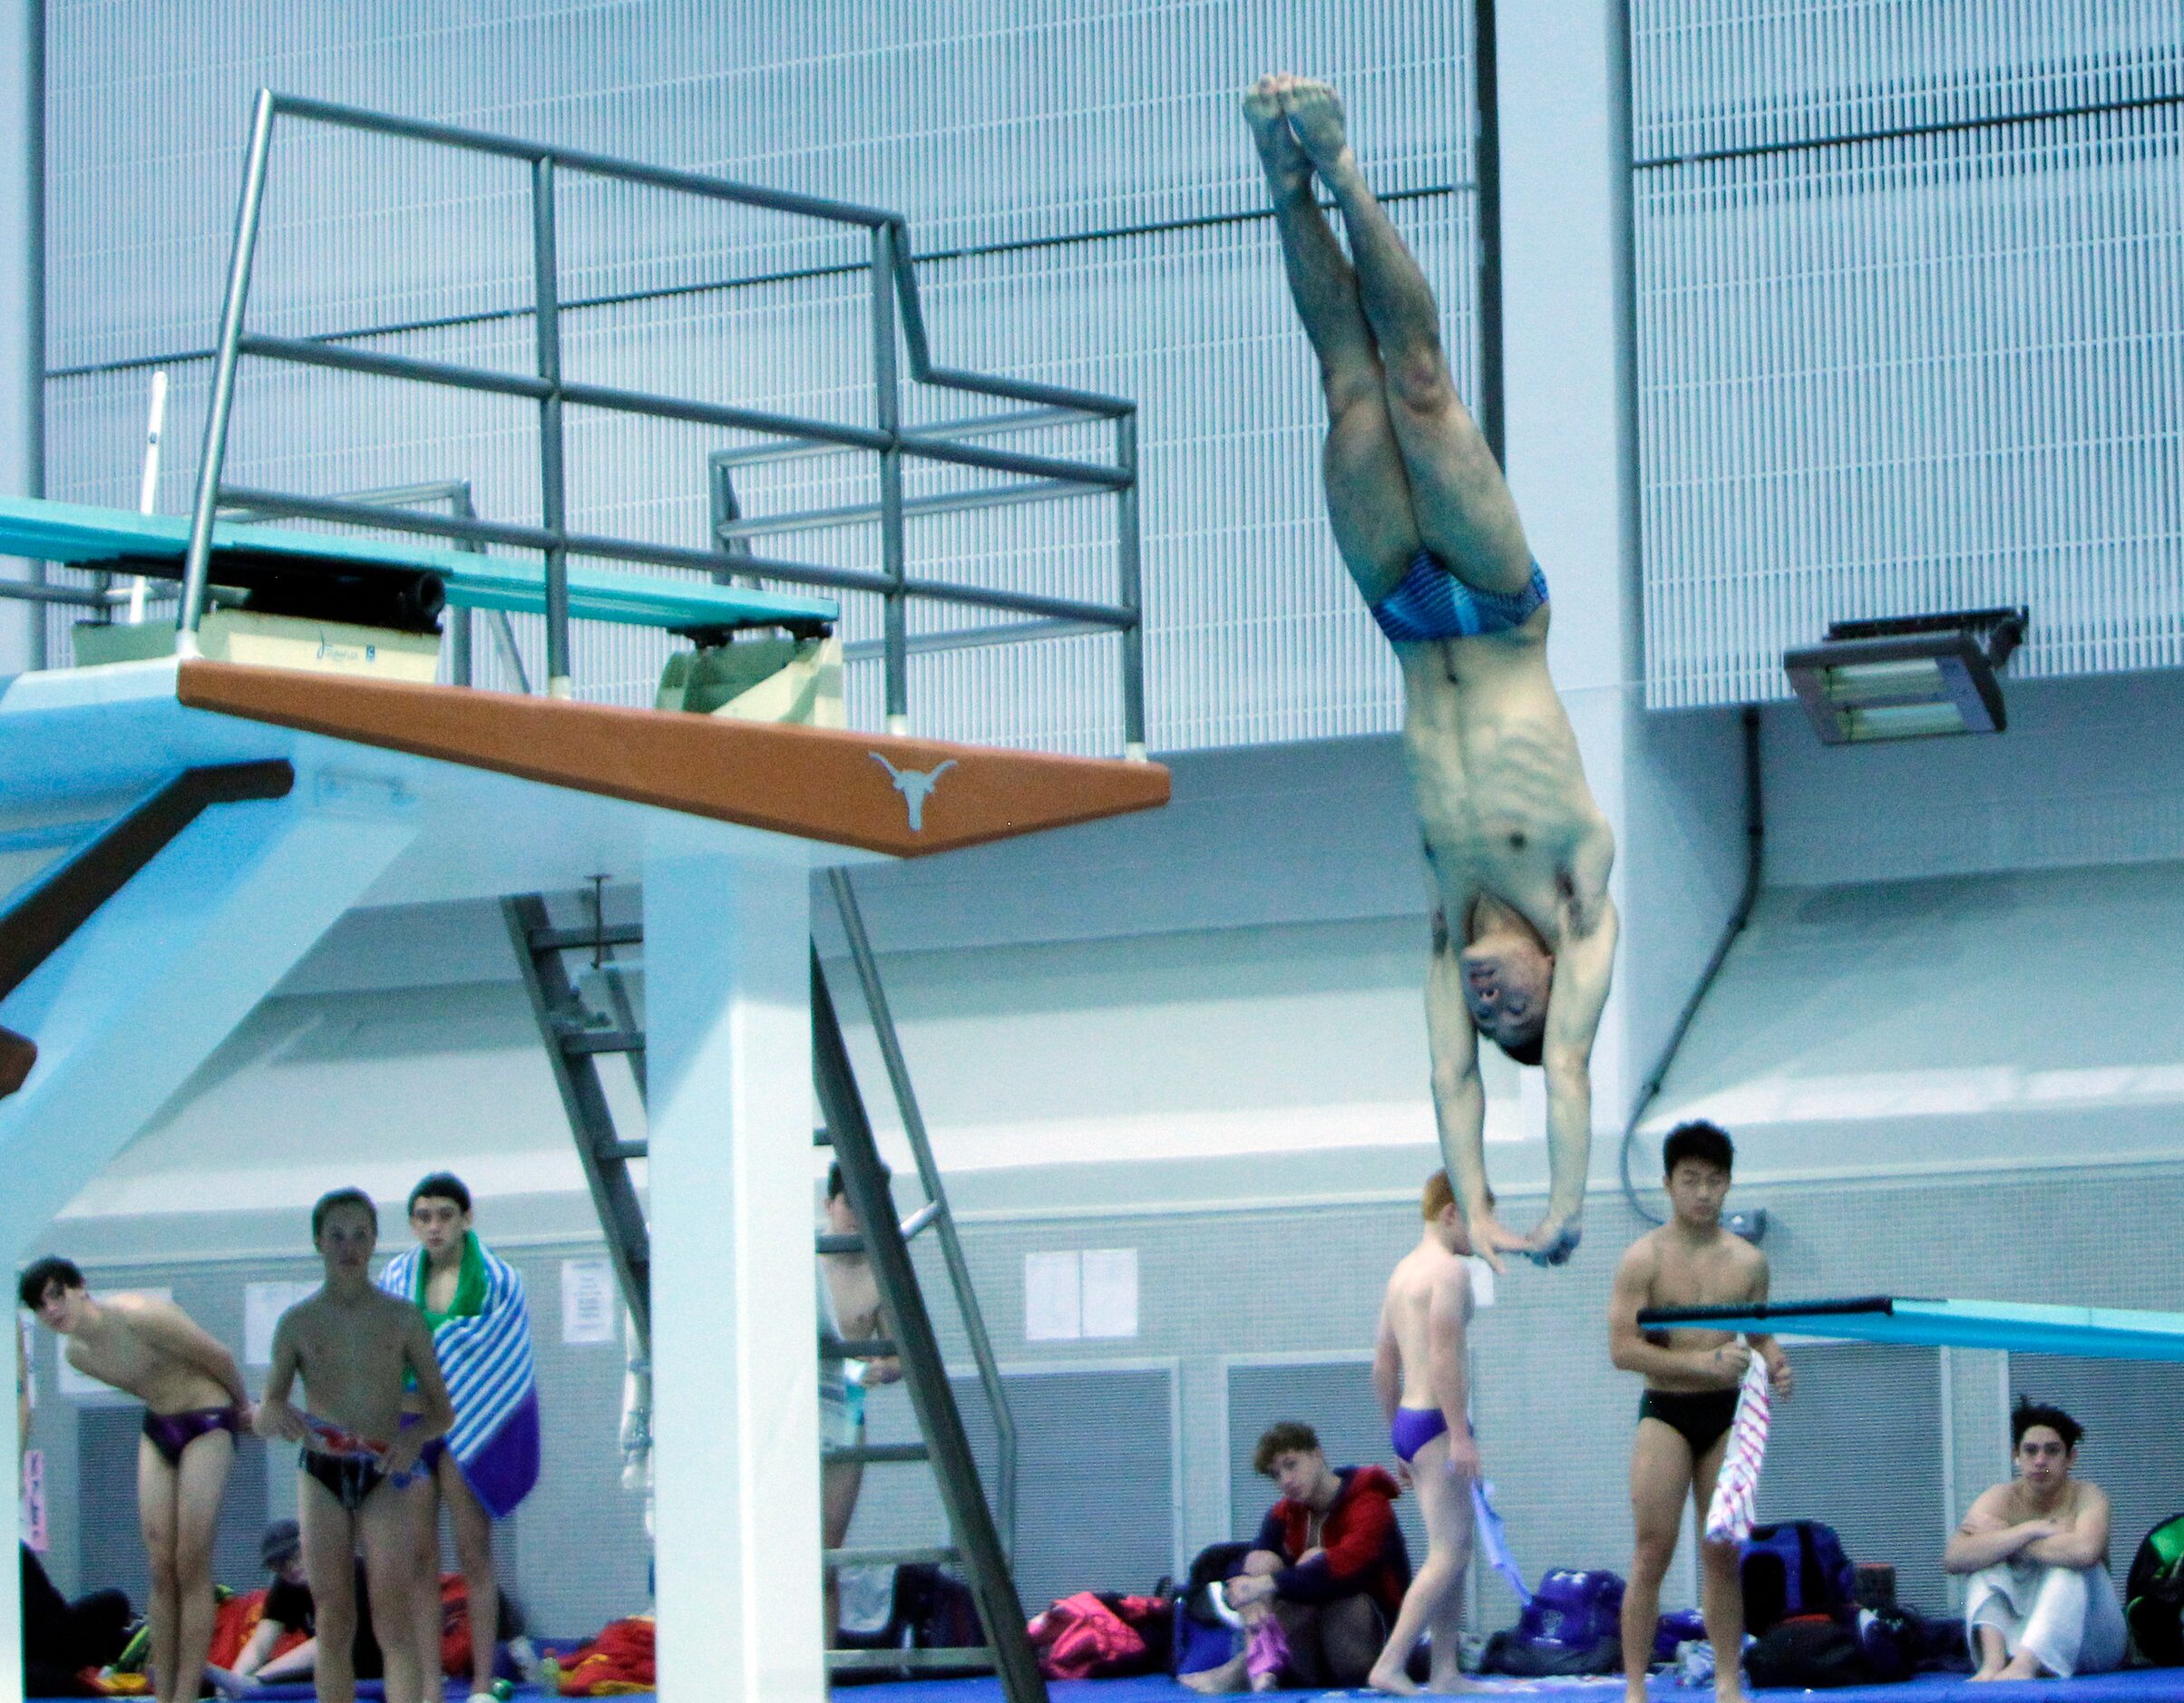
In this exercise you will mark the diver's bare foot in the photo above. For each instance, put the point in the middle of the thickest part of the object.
(1288, 169)
(1315, 113)
(1988, 1673)
(1391, 1679)
(1213, 1681)
(2024, 1665)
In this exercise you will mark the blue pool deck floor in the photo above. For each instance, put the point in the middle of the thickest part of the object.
(2141, 1684)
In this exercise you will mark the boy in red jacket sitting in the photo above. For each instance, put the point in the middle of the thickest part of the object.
(1329, 1568)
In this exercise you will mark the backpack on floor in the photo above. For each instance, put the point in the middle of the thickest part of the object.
(1081, 1637)
(1202, 1638)
(930, 1609)
(1573, 1625)
(1808, 1652)
(940, 1613)
(2153, 1595)
(1152, 1618)
(1794, 1569)
(1675, 1629)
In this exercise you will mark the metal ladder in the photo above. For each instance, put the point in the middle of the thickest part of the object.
(577, 1035)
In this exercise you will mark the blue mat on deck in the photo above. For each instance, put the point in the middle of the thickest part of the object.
(2142, 1685)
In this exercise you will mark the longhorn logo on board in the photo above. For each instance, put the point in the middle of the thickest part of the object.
(915, 785)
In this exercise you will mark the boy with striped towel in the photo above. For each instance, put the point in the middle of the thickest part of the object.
(474, 1304)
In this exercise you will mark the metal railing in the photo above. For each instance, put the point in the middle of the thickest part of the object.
(895, 311)
(935, 1212)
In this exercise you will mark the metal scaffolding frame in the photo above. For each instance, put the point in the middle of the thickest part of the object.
(896, 313)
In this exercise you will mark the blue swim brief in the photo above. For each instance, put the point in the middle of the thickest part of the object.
(1430, 603)
(1413, 1429)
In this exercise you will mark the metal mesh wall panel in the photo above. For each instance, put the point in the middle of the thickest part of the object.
(1909, 320)
(1859, 1446)
(1097, 1466)
(1080, 188)
(1711, 75)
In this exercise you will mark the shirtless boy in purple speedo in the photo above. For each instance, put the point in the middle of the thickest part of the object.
(195, 1405)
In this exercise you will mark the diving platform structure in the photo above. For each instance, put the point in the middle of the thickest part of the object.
(2110, 1333)
(178, 830)
(306, 795)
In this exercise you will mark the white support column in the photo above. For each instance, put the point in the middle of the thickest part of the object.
(735, 1326)
(1671, 785)
(1569, 464)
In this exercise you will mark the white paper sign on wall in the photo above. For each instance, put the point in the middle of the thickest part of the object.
(588, 1303)
(1053, 1307)
(30, 1510)
(1087, 1293)
(1110, 1291)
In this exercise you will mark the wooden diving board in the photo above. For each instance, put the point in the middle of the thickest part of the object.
(876, 792)
(2024, 1327)
(117, 541)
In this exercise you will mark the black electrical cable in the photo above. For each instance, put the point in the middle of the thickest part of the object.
(1755, 830)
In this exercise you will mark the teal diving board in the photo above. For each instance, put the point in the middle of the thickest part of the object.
(118, 541)
(2025, 1328)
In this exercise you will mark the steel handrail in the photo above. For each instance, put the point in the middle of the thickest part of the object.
(350, 510)
(896, 313)
(936, 1198)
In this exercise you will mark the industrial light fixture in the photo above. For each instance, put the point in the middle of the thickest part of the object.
(1906, 677)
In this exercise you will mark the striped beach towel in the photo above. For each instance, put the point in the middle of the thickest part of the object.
(1735, 1506)
(486, 1361)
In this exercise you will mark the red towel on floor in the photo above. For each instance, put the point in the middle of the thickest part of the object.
(619, 1660)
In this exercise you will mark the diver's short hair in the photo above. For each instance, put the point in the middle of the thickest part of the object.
(41, 1275)
(342, 1197)
(442, 1185)
(1289, 1436)
(836, 1185)
(2028, 1413)
(1526, 1051)
(1707, 1143)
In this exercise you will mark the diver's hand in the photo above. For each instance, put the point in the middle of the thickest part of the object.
(1490, 1240)
(401, 1455)
(278, 1421)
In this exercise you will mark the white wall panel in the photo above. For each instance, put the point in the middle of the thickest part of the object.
(1911, 325)
(2090, 772)
(1077, 178)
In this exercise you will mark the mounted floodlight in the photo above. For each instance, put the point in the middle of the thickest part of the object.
(1908, 677)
